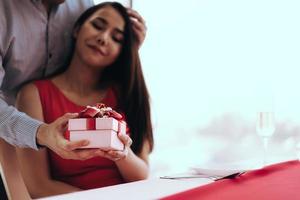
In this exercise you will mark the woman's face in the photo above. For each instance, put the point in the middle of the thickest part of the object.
(99, 40)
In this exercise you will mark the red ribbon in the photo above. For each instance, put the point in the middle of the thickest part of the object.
(67, 135)
(99, 111)
(90, 124)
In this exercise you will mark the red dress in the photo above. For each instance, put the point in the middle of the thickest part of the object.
(92, 173)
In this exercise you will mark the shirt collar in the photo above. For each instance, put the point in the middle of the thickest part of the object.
(54, 8)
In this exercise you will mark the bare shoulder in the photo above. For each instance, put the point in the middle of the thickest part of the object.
(28, 92)
(28, 101)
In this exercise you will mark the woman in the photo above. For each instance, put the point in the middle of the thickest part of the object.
(104, 68)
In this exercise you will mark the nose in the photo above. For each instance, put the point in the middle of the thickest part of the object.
(102, 39)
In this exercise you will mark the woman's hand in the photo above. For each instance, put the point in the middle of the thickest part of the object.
(138, 25)
(116, 155)
(131, 166)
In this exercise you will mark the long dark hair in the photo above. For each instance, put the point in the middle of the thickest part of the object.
(126, 73)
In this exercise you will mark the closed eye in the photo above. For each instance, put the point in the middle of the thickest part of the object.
(118, 37)
(99, 23)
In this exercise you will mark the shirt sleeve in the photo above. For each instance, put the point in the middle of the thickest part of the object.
(16, 127)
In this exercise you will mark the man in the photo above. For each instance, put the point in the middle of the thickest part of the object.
(34, 42)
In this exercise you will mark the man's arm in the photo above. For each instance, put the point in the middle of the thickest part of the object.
(15, 127)
(138, 25)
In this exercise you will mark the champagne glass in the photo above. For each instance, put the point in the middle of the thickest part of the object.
(297, 144)
(265, 127)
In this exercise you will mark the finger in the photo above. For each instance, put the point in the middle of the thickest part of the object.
(63, 120)
(70, 146)
(117, 155)
(69, 155)
(125, 139)
(136, 15)
(108, 156)
(68, 116)
(105, 154)
(111, 155)
(140, 36)
(138, 25)
(65, 155)
(114, 155)
(100, 152)
(78, 154)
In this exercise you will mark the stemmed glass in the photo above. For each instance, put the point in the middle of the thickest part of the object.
(265, 127)
(297, 144)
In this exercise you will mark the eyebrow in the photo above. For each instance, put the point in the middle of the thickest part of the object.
(106, 23)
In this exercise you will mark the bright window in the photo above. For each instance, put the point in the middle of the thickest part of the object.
(210, 65)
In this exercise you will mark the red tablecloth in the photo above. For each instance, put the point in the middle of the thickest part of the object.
(274, 182)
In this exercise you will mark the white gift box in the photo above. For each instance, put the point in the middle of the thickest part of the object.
(100, 132)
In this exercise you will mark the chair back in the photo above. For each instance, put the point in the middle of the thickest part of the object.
(13, 183)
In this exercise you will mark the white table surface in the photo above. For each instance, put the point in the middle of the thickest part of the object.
(153, 188)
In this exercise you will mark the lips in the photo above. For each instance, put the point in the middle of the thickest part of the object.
(98, 50)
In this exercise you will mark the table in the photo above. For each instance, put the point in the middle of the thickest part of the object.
(153, 188)
(275, 182)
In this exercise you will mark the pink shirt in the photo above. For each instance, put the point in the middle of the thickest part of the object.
(33, 44)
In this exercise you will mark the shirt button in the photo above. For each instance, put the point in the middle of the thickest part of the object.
(50, 55)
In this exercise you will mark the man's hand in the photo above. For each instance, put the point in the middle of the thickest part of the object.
(51, 135)
(138, 25)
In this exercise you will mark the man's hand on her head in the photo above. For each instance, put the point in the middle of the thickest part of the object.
(138, 25)
(51, 136)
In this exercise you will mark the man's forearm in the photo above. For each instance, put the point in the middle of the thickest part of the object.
(16, 127)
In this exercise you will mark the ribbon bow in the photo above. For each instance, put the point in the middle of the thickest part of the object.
(101, 111)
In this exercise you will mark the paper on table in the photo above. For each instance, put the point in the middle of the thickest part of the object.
(187, 176)
(217, 172)
(223, 170)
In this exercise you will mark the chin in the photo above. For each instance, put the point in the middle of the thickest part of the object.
(95, 65)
